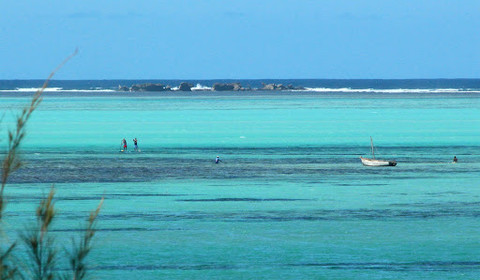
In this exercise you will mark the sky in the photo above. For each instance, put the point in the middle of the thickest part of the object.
(247, 39)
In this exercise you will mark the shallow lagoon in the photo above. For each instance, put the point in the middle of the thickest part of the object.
(290, 199)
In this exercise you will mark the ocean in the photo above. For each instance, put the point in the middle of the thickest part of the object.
(290, 198)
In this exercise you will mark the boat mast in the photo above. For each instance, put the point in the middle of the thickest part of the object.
(373, 151)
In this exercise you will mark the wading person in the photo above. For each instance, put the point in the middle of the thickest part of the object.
(135, 146)
(124, 142)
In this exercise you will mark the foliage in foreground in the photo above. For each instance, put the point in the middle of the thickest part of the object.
(42, 253)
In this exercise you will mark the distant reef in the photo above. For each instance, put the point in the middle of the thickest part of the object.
(149, 87)
(184, 86)
(280, 87)
(227, 87)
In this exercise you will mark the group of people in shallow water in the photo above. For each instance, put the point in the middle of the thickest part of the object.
(124, 145)
(124, 148)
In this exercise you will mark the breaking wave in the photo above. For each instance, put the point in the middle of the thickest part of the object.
(57, 89)
(199, 87)
(396, 90)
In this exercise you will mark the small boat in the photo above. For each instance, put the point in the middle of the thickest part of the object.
(376, 162)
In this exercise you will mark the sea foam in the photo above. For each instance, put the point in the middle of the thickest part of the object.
(199, 87)
(57, 89)
(397, 90)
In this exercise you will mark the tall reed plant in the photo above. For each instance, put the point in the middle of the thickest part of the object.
(42, 253)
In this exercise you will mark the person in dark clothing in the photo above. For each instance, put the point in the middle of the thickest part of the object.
(135, 144)
(455, 160)
(217, 160)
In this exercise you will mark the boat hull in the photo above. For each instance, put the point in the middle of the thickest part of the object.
(377, 162)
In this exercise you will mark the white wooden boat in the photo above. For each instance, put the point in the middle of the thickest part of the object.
(376, 162)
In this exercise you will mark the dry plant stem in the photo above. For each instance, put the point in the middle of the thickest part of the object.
(11, 162)
(46, 212)
(7, 271)
(39, 244)
(81, 250)
(15, 137)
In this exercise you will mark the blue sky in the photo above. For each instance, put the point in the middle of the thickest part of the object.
(180, 39)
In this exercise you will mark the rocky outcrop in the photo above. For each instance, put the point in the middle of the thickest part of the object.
(185, 86)
(123, 88)
(237, 86)
(149, 87)
(227, 87)
(279, 87)
(268, 86)
(290, 87)
(273, 87)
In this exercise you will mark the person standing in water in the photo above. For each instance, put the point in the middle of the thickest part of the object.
(124, 142)
(217, 160)
(455, 160)
(135, 144)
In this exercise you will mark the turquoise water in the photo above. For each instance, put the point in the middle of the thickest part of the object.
(290, 198)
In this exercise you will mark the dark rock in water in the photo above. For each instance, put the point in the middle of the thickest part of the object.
(227, 87)
(149, 87)
(123, 88)
(279, 87)
(237, 86)
(134, 88)
(185, 86)
(268, 86)
(292, 87)
(222, 87)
